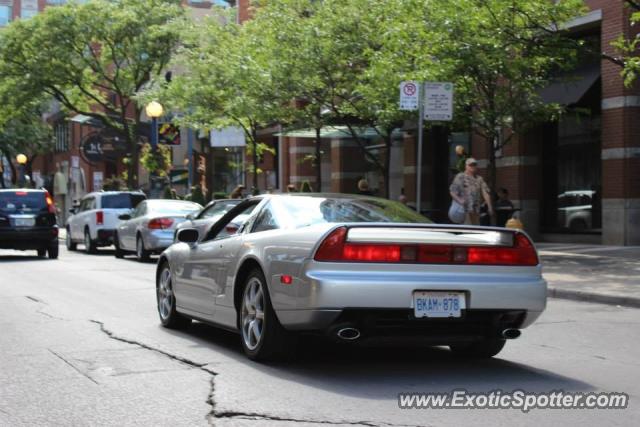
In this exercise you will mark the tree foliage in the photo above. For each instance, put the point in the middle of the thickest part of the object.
(93, 58)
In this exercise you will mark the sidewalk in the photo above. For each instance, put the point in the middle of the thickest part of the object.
(596, 273)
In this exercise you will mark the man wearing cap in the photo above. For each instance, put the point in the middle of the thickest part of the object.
(469, 189)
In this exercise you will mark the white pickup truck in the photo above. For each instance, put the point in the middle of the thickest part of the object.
(94, 221)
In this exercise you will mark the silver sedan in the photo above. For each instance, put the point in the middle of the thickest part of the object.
(350, 267)
(208, 216)
(150, 227)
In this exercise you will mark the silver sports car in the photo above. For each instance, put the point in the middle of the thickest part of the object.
(351, 267)
(149, 228)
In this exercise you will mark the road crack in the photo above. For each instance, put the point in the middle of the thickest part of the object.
(41, 310)
(73, 366)
(215, 414)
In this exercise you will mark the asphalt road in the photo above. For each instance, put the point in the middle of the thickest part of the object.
(80, 344)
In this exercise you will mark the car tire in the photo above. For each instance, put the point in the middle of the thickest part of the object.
(166, 301)
(484, 349)
(53, 250)
(71, 246)
(42, 252)
(256, 316)
(119, 253)
(89, 245)
(142, 254)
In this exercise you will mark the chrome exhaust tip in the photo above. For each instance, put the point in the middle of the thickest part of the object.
(348, 334)
(511, 333)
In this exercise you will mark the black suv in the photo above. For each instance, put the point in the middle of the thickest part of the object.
(28, 221)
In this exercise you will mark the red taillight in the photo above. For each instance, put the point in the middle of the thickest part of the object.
(160, 223)
(99, 218)
(50, 205)
(21, 193)
(335, 248)
(331, 247)
(286, 279)
(522, 253)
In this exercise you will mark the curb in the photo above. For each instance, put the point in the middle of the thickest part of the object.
(623, 301)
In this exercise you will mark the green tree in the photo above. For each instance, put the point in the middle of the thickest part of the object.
(224, 81)
(628, 47)
(499, 57)
(93, 58)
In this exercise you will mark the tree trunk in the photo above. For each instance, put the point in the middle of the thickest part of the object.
(318, 161)
(491, 167)
(254, 143)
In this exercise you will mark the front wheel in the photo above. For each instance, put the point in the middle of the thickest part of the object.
(166, 299)
(484, 349)
(263, 337)
(71, 246)
(116, 242)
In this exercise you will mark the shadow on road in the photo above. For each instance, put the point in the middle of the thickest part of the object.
(378, 369)
(24, 258)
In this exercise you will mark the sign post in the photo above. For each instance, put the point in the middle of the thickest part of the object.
(434, 102)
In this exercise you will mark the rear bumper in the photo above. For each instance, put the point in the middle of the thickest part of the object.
(28, 238)
(474, 325)
(327, 291)
(158, 240)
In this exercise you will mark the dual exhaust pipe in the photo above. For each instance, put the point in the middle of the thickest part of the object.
(349, 333)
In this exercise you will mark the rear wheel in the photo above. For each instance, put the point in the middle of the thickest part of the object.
(116, 242)
(262, 335)
(484, 349)
(42, 252)
(169, 317)
(141, 252)
(89, 245)
(53, 250)
(68, 242)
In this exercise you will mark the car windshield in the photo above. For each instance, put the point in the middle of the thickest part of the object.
(22, 202)
(121, 200)
(219, 209)
(304, 211)
(173, 207)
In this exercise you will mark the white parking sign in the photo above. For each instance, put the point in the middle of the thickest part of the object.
(438, 101)
(409, 95)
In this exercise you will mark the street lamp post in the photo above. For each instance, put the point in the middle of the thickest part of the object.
(22, 161)
(154, 110)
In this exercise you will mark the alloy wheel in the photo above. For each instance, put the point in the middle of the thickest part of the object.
(165, 294)
(252, 317)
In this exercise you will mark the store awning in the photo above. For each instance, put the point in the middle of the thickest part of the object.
(570, 88)
(331, 132)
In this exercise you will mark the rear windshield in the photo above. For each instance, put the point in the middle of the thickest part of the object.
(121, 201)
(173, 207)
(22, 202)
(304, 211)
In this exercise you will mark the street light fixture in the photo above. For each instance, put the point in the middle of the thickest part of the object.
(154, 110)
(22, 159)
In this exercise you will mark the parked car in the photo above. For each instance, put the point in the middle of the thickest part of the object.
(150, 227)
(94, 221)
(575, 210)
(351, 267)
(28, 221)
(211, 213)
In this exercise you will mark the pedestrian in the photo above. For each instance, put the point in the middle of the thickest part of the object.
(402, 198)
(363, 188)
(462, 156)
(469, 190)
(237, 192)
(504, 207)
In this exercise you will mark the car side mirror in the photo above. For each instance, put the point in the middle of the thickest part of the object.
(72, 211)
(124, 217)
(188, 235)
(190, 217)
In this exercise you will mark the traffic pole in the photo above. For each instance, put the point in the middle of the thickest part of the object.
(419, 158)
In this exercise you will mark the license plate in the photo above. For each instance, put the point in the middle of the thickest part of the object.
(25, 222)
(438, 304)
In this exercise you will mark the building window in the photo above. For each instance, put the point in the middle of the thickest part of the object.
(61, 137)
(56, 2)
(28, 9)
(6, 12)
